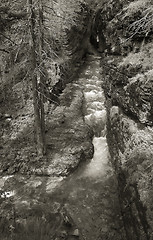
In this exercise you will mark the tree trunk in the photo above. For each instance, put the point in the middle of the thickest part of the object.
(42, 75)
(37, 101)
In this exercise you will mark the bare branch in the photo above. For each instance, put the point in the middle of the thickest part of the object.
(49, 99)
(3, 50)
(53, 11)
(8, 38)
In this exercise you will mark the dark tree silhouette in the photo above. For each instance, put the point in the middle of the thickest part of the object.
(35, 22)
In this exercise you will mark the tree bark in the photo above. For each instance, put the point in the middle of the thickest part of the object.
(37, 101)
(42, 75)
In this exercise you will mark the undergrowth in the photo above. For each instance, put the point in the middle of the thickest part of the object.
(140, 16)
(33, 223)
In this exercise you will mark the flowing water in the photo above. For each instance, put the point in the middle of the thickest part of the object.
(90, 194)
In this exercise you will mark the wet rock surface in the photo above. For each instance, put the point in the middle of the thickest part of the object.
(130, 88)
(127, 82)
(93, 202)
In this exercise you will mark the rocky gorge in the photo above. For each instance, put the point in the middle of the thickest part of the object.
(127, 80)
(58, 194)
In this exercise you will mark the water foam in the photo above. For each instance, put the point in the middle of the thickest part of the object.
(99, 164)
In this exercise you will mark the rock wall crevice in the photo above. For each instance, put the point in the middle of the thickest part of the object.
(127, 81)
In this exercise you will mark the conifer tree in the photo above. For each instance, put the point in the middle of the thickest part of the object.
(36, 42)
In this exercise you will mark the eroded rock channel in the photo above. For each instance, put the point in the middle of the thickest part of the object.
(84, 205)
(90, 195)
(77, 190)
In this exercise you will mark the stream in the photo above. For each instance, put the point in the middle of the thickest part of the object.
(87, 199)
(90, 194)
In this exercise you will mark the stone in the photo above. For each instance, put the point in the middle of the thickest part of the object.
(76, 233)
(7, 115)
(114, 111)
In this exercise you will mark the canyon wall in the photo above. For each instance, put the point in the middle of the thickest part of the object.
(127, 79)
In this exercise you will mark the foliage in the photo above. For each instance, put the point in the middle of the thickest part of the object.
(139, 14)
(36, 223)
(59, 18)
(144, 25)
(136, 7)
(143, 58)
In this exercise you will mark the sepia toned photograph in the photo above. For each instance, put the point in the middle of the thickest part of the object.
(76, 119)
